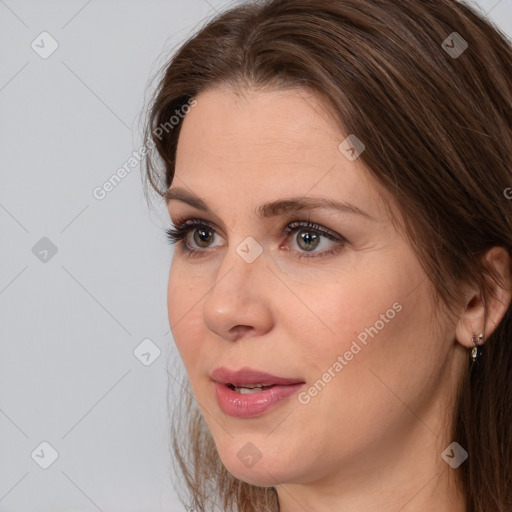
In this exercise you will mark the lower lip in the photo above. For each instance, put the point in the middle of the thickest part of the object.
(250, 405)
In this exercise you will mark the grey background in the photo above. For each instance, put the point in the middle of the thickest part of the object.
(71, 320)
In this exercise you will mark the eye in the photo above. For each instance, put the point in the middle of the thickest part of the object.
(203, 234)
(194, 236)
(310, 236)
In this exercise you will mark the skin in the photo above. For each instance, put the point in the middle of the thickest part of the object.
(372, 438)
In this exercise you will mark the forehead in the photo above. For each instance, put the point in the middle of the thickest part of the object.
(271, 124)
(262, 145)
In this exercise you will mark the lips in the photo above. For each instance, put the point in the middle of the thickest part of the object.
(250, 377)
(248, 393)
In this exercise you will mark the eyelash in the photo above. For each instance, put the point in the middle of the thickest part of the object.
(182, 228)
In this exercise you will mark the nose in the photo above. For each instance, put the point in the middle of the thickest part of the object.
(239, 303)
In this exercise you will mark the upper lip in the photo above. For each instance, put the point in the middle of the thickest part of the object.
(249, 376)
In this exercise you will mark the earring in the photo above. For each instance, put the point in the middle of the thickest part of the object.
(477, 340)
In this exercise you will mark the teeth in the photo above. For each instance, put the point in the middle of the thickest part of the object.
(249, 390)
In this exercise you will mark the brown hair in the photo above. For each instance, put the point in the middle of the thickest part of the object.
(438, 134)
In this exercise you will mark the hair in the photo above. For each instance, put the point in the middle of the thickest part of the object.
(438, 135)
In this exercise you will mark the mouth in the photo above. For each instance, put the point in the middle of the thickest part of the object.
(247, 393)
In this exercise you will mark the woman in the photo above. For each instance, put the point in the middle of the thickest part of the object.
(336, 172)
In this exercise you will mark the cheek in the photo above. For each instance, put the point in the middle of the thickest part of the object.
(370, 321)
(348, 394)
(175, 306)
(383, 346)
(352, 310)
(184, 308)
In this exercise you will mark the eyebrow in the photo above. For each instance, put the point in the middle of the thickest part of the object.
(270, 209)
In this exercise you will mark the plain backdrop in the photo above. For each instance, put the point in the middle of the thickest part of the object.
(86, 353)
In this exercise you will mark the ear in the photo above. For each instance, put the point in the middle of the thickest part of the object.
(484, 316)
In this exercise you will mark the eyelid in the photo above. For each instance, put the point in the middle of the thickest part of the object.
(290, 226)
(328, 233)
(183, 222)
(189, 223)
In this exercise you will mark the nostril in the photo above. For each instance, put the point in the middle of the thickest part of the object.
(238, 331)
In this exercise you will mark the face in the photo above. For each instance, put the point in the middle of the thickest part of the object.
(331, 297)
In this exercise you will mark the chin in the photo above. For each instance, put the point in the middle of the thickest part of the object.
(254, 476)
(246, 463)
